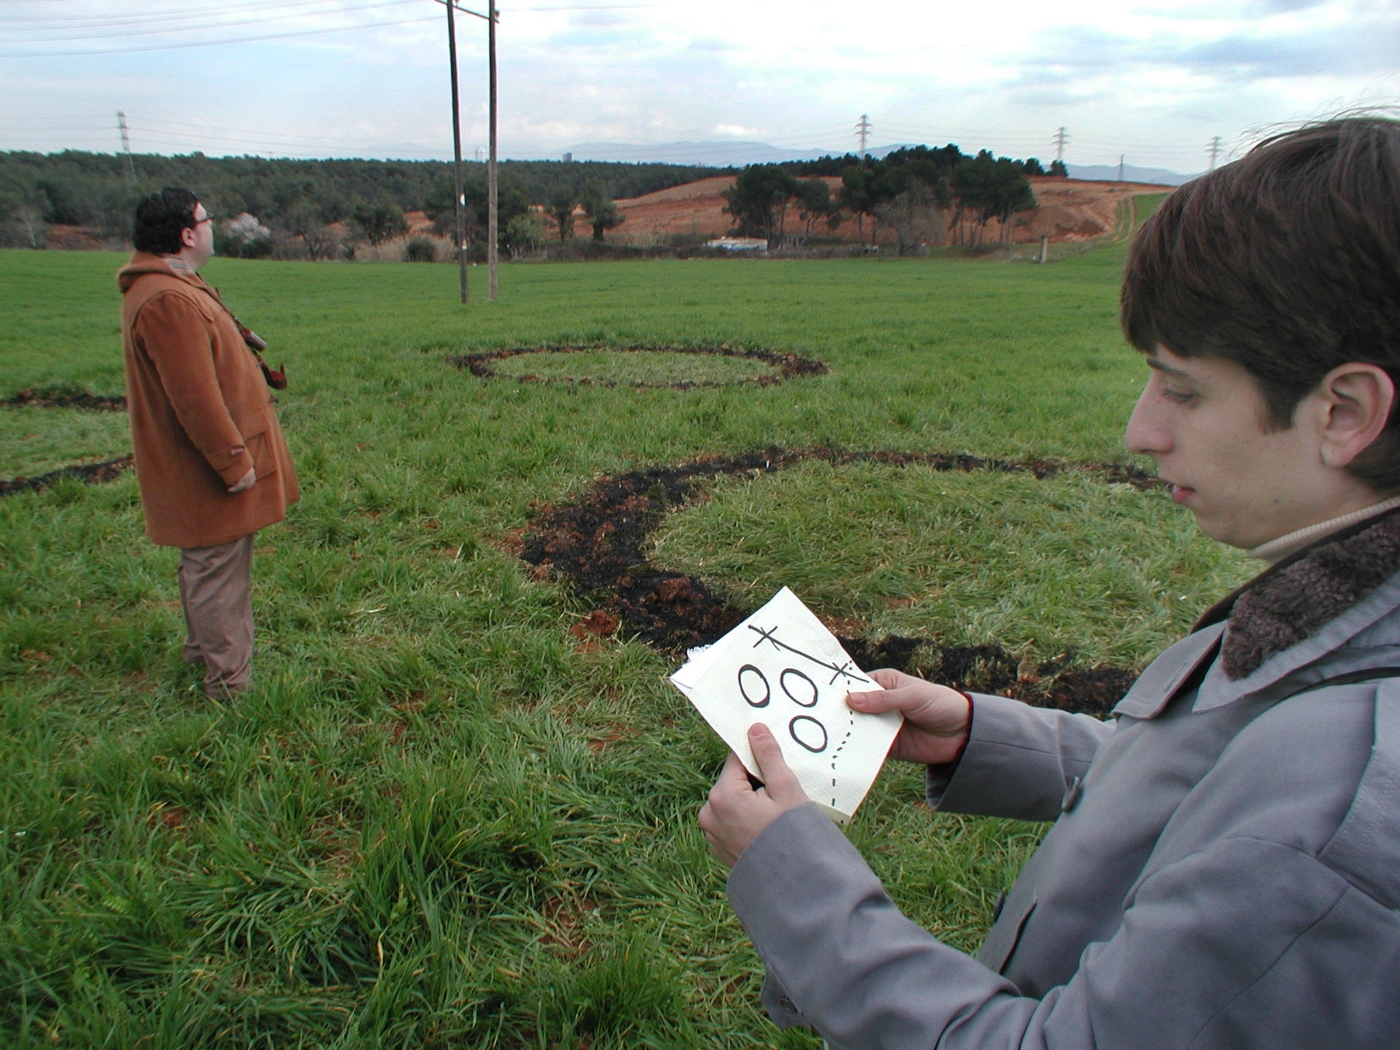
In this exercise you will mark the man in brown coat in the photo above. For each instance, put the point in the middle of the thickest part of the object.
(211, 462)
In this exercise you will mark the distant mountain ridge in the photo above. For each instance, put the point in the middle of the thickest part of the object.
(1109, 173)
(712, 154)
(738, 153)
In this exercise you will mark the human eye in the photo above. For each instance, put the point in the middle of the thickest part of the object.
(1181, 397)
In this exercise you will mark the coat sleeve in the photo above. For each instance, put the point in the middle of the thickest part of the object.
(175, 337)
(1019, 760)
(1248, 944)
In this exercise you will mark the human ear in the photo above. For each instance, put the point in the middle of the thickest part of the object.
(189, 237)
(1356, 399)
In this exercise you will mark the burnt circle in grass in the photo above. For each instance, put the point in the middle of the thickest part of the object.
(90, 472)
(784, 365)
(65, 399)
(107, 470)
(599, 543)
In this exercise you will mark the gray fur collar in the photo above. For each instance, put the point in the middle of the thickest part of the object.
(1293, 599)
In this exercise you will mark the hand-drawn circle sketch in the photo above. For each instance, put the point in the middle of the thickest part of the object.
(747, 674)
(806, 730)
(806, 690)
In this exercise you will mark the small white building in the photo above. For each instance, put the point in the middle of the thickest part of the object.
(738, 244)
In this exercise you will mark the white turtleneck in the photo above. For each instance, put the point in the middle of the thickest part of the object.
(1283, 546)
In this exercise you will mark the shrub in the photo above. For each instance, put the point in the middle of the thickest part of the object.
(421, 249)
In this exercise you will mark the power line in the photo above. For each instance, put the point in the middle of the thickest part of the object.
(217, 43)
(583, 7)
(1061, 140)
(863, 129)
(105, 21)
(1214, 147)
(105, 35)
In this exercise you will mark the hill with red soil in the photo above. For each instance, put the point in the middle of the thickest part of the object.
(1066, 210)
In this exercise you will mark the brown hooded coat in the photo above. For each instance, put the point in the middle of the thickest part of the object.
(201, 413)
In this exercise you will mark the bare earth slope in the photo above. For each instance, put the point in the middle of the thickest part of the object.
(1067, 210)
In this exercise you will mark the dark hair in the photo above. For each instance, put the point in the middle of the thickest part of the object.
(159, 219)
(1286, 262)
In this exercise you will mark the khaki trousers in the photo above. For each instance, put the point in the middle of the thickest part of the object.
(215, 591)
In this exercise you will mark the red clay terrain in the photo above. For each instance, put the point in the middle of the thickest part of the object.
(1067, 210)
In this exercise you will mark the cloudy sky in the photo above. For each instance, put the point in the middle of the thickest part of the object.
(1154, 80)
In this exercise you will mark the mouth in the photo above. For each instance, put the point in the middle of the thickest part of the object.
(1181, 493)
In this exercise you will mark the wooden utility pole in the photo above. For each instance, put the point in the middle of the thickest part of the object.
(490, 18)
(458, 199)
(491, 231)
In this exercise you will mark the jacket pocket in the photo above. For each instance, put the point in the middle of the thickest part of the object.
(1005, 935)
(254, 428)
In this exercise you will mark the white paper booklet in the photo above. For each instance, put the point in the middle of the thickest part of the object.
(781, 667)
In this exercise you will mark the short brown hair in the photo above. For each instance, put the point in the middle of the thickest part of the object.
(1286, 262)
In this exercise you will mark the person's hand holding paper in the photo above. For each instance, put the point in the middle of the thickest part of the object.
(782, 668)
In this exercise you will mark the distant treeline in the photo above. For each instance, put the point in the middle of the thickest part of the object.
(99, 192)
(324, 208)
(917, 193)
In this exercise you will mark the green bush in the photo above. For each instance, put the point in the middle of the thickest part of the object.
(421, 249)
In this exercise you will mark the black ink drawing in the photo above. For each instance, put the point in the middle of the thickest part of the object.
(839, 670)
(744, 684)
(807, 726)
(754, 688)
(806, 695)
(781, 666)
(837, 753)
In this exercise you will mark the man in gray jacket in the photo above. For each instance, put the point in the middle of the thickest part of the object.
(1224, 870)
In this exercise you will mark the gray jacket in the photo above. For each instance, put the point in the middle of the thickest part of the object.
(1224, 870)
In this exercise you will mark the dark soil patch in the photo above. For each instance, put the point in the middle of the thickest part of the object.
(109, 470)
(65, 399)
(785, 365)
(599, 543)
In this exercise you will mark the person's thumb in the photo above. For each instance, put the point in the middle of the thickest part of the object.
(878, 701)
(781, 782)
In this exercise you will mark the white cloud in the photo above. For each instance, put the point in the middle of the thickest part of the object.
(1153, 78)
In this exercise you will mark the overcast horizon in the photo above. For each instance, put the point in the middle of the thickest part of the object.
(1153, 81)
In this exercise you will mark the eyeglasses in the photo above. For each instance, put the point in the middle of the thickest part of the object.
(207, 218)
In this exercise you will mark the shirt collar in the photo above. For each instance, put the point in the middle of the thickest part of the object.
(1292, 542)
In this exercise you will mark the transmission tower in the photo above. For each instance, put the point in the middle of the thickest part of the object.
(863, 129)
(1214, 146)
(127, 162)
(1061, 140)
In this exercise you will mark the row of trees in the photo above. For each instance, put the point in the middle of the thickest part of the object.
(918, 193)
(298, 198)
(599, 210)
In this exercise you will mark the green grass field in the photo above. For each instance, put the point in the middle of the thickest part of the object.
(437, 820)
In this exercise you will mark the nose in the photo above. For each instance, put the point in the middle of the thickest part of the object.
(1147, 433)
